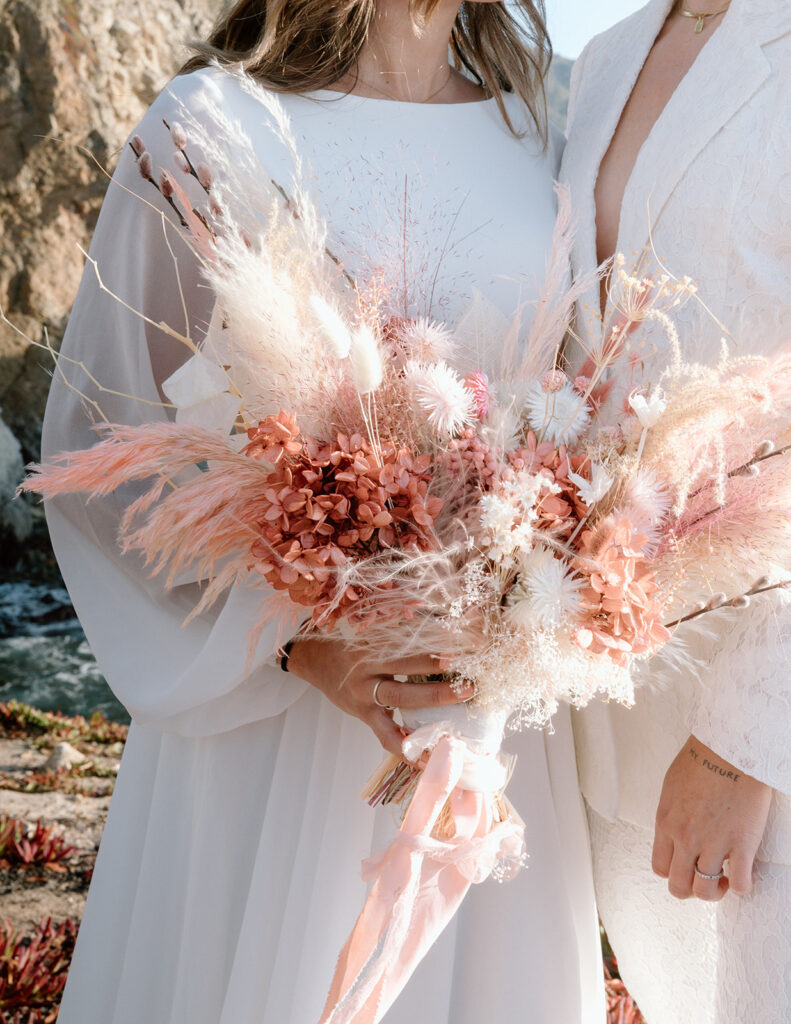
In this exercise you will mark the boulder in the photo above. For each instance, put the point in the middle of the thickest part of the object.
(15, 514)
(75, 77)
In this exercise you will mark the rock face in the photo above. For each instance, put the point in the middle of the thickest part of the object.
(73, 73)
(15, 516)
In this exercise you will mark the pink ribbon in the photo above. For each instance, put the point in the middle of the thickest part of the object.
(419, 881)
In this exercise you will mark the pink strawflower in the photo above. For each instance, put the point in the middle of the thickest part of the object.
(478, 384)
(553, 381)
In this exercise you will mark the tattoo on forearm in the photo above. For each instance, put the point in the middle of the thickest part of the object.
(712, 766)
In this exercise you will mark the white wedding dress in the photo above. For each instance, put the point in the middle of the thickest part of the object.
(229, 873)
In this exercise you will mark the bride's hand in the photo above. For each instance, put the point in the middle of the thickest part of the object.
(709, 812)
(350, 682)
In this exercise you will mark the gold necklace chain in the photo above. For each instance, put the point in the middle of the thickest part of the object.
(702, 17)
(390, 96)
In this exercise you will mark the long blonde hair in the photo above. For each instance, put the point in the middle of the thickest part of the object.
(303, 45)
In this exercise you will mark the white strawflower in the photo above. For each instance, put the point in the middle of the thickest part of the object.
(557, 416)
(440, 393)
(429, 341)
(332, 326)
(366, 360)
(592, 490)
(545, 594)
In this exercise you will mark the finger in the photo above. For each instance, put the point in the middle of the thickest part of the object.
(418, 665)
(422, 695)
(681, 877)
(390, 735)
(740, 871)
(709, 889)
(662, 854)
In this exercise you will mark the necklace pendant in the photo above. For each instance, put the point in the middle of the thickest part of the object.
(700, 25)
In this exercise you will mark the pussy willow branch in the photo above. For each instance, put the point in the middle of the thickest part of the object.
(740, 601)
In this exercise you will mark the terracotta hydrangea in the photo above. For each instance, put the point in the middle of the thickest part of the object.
(558, 513)
(622, 614)
(326, 503)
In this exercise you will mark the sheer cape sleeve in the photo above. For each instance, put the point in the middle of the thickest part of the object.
(194, 679)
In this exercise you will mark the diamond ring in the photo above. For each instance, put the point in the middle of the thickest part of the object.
(709, 878)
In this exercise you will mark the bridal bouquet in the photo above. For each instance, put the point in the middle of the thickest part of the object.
(419, 487)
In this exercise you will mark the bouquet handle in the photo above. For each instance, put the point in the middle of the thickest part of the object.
(420, 880)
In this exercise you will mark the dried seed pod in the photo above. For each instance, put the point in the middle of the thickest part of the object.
(764, 448)
(716, 601)
(138, 145)
(181, 162)
(759, 584)
(743, 601)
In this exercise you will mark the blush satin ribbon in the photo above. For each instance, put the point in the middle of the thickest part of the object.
(419, 881)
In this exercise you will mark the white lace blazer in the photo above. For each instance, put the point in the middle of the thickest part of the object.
(711, 189)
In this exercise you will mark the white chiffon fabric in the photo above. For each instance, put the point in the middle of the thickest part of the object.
(228, 876)
(709, 196)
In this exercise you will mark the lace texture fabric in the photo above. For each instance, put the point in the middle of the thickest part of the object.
(686, 960)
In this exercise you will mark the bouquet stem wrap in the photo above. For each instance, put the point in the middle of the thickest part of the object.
(420, 880)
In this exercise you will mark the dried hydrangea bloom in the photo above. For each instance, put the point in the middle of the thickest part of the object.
(327, 503)
(623, 616)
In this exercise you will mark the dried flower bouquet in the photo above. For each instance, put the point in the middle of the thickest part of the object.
(416, 493)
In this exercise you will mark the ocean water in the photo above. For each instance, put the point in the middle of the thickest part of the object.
(45, 659)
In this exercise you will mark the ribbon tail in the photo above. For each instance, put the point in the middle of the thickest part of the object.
(407, 907)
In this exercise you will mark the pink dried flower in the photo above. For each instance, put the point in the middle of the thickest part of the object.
(215, 207)
(623, 616)
(478, 383)
(178, 135)
(138, 145)
(581, 384)
(181, 162)
(204, 176)
(560, 512)
(553, 381)
(326, 503)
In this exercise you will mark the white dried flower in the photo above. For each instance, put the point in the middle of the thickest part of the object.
(332, 327)
(545, 594)
(427, 341)
(592, 490)
(366, 360)
(648, 411)
(441, 394)
(558, 416)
